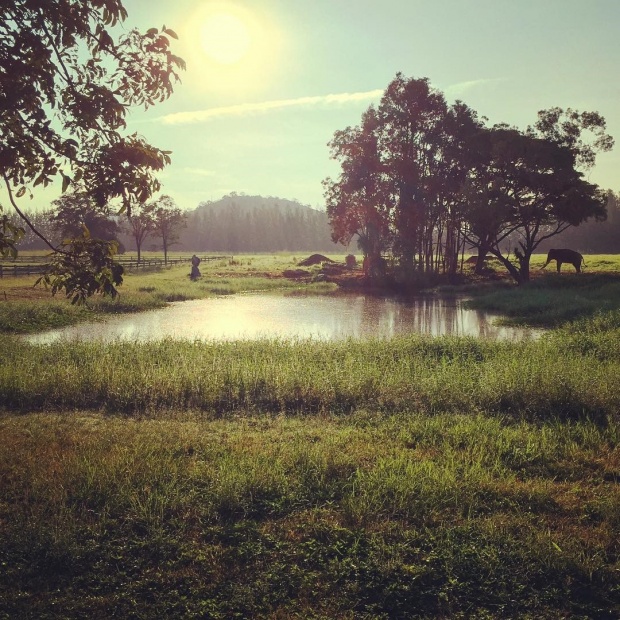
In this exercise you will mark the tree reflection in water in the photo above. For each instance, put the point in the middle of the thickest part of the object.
(328, 317)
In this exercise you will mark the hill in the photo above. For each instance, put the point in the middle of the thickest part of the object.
(241, 223)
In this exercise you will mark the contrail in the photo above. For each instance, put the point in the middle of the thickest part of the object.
(245, 109)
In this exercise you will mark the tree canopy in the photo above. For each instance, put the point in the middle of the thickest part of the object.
(424, 179)
(72, 213)
(67, 81)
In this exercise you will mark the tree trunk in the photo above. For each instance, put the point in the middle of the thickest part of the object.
(483, 250)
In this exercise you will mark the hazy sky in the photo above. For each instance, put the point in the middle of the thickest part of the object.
(269, 81)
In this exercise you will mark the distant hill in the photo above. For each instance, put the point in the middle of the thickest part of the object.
(244, 203)
(241, 223)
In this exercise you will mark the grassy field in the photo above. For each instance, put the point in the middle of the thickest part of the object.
(410, 478)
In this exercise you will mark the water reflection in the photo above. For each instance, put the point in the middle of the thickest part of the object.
(321, 317)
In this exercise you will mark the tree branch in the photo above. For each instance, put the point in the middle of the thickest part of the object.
(25, 218)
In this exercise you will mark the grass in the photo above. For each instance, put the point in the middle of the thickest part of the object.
(410, 478)
(280, 376)
(552, 300)
(370, 516)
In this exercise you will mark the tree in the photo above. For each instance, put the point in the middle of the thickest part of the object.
(358, 203)
(529, 190)
(402, 169)
(168, 220)
(66, 86)
(43, 222)
(425, 177)
(583, 133)
(411, 116)
(74, 212)
(141, 224)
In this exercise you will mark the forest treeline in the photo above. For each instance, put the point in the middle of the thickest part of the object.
(242, 223)
(235, 223)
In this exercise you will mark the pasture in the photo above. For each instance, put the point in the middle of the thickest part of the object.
(409, 478)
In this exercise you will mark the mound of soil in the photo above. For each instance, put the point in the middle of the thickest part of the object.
(314, 259)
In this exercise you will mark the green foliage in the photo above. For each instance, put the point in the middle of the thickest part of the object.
(83, 267)
(67, 87)
(74, 212)
(10, 235)
(167, 221)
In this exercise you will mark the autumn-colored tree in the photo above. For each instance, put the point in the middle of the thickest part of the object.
(358, 203)
(66, 85)
(401, 171)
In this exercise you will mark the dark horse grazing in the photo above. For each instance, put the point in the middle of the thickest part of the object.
(565, 256)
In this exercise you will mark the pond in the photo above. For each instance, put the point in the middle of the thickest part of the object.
(331, 317)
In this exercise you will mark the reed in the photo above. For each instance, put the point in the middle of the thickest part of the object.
(411, 373)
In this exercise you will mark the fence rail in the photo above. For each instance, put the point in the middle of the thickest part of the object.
(33, 265)
(21, 270)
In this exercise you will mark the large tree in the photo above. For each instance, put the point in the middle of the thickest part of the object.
(401, 171)
(67, 81)
(527, 190)
(141, 225)
(358, 202)
(425, 176)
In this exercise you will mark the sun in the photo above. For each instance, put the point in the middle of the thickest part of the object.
(225, 38)
(230, 48)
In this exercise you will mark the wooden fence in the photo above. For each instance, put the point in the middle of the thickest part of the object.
(28, 266)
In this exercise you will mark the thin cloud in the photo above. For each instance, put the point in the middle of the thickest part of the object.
(245, 109)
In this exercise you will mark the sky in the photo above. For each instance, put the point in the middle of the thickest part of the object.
(268, 82)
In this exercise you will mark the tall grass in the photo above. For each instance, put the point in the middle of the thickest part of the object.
(564, 374)
(552, 300)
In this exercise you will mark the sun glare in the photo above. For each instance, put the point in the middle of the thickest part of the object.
(225, 38)
(231, 48)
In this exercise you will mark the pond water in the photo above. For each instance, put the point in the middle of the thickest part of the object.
(332, 317)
